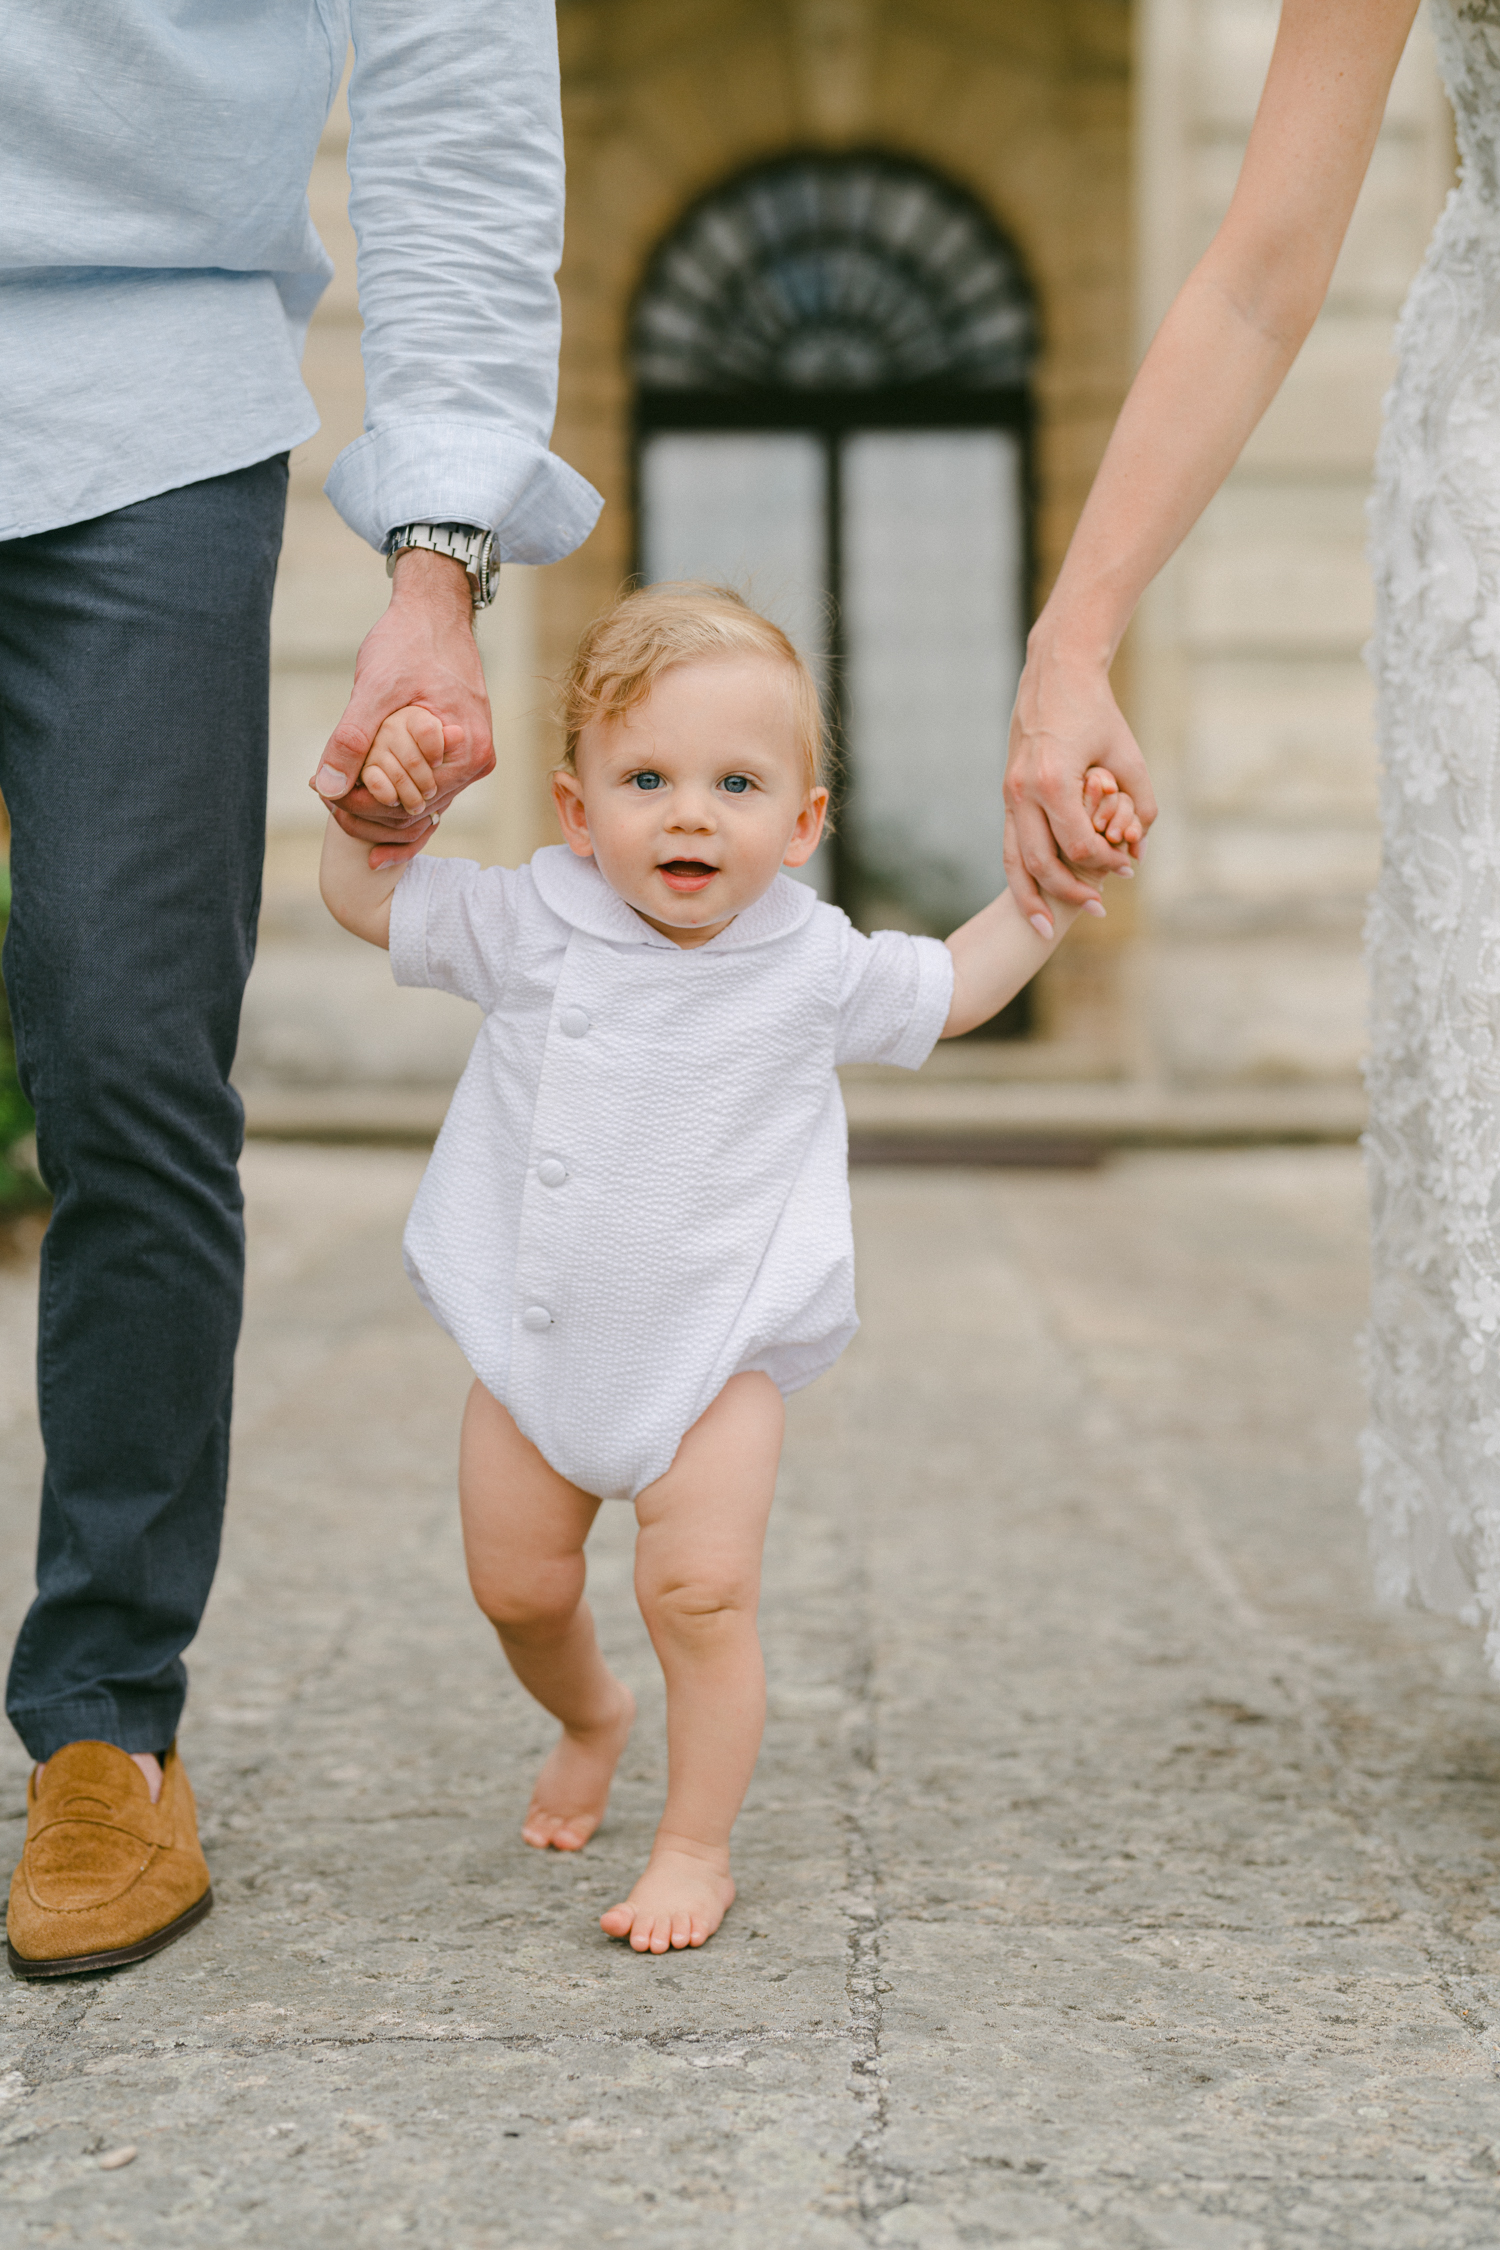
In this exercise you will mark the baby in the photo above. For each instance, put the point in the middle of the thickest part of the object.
(636, 1219)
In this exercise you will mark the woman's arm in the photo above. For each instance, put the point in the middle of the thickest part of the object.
(1218, 360)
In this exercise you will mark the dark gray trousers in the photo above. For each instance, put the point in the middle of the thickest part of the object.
(134, 676)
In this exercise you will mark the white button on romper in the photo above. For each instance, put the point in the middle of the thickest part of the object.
(641, 1187)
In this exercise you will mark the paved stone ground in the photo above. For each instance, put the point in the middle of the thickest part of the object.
(1114, 1878)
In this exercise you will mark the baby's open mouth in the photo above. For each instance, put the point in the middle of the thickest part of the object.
(687, 874)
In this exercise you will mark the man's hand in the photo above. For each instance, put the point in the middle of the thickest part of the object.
(1066, 720)
(422, 651)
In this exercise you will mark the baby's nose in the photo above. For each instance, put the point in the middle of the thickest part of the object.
(690, 812)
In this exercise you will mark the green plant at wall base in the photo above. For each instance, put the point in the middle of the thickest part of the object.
(20, 1189)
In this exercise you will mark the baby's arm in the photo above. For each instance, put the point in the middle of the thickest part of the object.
(354, 892)
(999, 951)
(995, 954)
(395, 772)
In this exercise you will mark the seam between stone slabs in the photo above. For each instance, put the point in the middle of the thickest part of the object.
(521, 2042)
(879, 2186)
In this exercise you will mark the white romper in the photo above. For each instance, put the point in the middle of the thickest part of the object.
(641, 1188)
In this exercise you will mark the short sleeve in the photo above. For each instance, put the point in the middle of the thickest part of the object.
(894, 998)
(453, 925)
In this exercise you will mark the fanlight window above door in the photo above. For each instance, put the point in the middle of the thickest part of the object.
(834, 273)
(832, 358)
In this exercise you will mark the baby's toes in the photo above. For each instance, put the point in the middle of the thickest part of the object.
(616, 1923)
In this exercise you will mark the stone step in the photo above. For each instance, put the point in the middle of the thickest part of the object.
(904, 1118)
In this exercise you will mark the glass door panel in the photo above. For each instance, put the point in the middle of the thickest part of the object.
(933, 563)
(749, 510)
(746, 510)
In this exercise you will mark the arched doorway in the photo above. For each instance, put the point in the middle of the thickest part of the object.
(832, 358)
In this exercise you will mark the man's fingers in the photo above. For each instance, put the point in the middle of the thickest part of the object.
(391, 830)
(396, 855)
(362, 804)
(343, 755)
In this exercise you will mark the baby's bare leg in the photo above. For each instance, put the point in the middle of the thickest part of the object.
(524, 1530)
(697, 1575)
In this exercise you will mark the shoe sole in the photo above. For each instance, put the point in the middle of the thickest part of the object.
(81, 1964)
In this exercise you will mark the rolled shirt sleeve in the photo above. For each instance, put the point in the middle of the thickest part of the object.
(456, 171)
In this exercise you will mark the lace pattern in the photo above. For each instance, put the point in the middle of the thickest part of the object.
(1431, 1451)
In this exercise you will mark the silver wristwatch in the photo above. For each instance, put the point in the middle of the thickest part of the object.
(474, 549)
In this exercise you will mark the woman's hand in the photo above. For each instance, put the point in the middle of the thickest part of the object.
(1066, 719)
(1218, 360)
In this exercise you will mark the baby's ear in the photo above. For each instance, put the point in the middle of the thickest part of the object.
(567, 796)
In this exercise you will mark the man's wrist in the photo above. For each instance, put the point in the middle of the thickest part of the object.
(436, 581)
(470, 545)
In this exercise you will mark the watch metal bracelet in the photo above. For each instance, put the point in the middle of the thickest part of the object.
(463, 543)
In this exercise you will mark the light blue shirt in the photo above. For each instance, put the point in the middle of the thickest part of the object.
(158, 262)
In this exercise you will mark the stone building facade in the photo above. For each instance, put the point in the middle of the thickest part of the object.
(1102, 139)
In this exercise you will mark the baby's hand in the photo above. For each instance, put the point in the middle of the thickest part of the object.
(1112, 812)
(398, 770)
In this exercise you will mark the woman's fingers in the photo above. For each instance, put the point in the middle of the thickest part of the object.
(1020, 882)
(1036, 868)
(1077, 795)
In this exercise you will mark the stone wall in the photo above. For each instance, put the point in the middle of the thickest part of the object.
(1248, 689)
(1105, 143)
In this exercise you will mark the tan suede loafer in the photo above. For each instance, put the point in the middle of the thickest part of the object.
(106, 1877)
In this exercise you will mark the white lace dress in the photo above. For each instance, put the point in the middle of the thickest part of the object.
(1432, 1450)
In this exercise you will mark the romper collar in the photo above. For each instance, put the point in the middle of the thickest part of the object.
(577, 893)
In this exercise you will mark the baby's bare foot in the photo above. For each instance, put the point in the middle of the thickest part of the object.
(572, 1789)
(680, 1900)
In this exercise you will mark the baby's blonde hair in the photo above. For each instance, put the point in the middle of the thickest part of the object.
(625, 651)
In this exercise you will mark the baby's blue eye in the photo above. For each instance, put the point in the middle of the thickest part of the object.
(647, 780)
(736, 783)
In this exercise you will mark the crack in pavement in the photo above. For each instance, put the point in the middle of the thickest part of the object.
(878, 2186)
